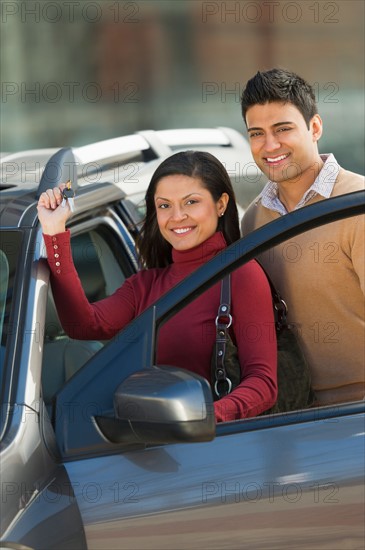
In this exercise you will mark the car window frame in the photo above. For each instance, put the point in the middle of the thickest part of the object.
(21, 383)
(113, 223)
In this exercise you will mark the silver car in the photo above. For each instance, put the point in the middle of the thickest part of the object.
(103, 449)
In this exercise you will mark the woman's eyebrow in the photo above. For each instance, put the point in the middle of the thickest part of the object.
(182, 198)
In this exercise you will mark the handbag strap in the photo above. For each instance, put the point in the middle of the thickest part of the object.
(223, 384)
(280, 307)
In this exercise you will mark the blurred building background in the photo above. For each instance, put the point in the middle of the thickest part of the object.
(73, 72)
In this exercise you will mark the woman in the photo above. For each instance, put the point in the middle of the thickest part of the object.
(191, 216)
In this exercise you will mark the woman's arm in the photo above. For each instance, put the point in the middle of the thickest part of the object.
(80, 319)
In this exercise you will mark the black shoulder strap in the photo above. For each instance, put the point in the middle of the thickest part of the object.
(223, 384)
(280, 307)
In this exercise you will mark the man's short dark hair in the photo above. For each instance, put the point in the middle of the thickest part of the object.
(279, 85)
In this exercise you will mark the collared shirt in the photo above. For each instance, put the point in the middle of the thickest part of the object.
(323, 185)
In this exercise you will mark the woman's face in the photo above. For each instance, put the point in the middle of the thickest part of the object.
(187, 214)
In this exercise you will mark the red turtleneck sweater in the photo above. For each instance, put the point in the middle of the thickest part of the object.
(187, 339)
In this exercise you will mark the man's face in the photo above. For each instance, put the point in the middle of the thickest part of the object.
(283, 147)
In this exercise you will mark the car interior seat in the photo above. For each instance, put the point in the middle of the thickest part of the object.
(62, 356)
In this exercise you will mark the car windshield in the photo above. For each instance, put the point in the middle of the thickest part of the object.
(4, 282)
(10, 242)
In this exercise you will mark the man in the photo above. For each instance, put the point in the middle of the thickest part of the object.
(320, 274)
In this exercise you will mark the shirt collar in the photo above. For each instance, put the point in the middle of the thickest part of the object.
(322, 185)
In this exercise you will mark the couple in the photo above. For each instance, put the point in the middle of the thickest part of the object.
(191, 215)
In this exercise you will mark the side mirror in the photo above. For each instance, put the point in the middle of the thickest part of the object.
(161, 405)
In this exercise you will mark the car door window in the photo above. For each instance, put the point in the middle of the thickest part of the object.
(102, 265)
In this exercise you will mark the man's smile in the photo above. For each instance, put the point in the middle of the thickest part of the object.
(279, 158)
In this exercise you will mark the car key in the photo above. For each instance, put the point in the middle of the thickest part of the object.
(68, 195)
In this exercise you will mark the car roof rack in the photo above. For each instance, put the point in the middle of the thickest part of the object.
(50, 167)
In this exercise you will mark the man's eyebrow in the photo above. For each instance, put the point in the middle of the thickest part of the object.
(274, 125)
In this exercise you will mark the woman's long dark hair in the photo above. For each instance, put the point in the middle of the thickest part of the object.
(153, 249)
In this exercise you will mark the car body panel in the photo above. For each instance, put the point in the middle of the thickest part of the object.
(255, 489)
(39, 497)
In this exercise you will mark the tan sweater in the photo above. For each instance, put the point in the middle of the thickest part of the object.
(320, 274)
